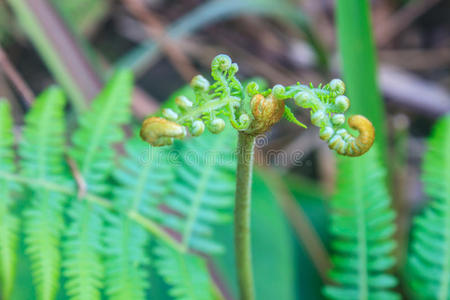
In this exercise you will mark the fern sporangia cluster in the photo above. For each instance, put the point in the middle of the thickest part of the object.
(253, 112)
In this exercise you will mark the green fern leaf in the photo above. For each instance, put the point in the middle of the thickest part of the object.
(289, 115)
(187, 274)
(362, 224)
(42, 158)
(203, 190)
(429, 260)
(142, 180)
(126, 260)
(9, 223)
(94, 155)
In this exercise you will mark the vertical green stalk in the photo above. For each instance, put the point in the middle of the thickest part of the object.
(242, 216)
(359, 64)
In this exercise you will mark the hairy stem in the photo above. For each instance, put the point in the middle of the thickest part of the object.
(242, 216)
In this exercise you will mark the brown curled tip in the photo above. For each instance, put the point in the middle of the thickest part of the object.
(161, 132)
(366, 134)
(267, 111)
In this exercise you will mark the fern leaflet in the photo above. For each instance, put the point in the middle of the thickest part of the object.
(203, 190)
(94, 156)
(42, 153)
(143, 179)
(429, 260)
(185, 272)
(362, 224)
(9, 223)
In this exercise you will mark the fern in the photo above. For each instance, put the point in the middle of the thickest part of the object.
(362, 226)
(126, 276)
(142, 180)
(9, 223)
(94, 157)
(186, 272)
(203, 190)
(42, 153)
(429, 260)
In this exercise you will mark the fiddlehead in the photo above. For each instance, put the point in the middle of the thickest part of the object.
(328, 105)
(253, 112)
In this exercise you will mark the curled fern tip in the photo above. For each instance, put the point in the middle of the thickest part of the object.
(252, 111)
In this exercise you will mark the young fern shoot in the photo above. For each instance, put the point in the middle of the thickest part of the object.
(252, 111)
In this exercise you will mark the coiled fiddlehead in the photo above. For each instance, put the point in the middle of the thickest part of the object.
(253, 112)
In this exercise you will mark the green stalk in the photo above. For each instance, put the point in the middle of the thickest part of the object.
(242, 216)
(359, 64)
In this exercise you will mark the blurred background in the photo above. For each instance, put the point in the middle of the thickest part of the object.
(397, 74)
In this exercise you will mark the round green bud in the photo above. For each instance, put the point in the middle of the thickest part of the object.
(234, 68)
(337, 143)
(169, 114)
(342, 103)
(278, 91)
(337, 86)
(200, 83)
(303, 98)
(198, 127)
(252, 88)
(326, 133)
(216, 126)
(341, 132)
(317, 117)
(183, 102)
(221, 62)
(338, 119)
(244, 119)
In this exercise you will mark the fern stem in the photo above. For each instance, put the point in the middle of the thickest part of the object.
(242, 216)
(157, 230)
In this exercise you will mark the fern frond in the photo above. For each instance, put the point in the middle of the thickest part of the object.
(429, 259)
(99, 130)
(203, 190)
(42, 153)
(94, 156)
(362, 224)
(9, 223)
(126, 260)
(142, 180)
(82, 263)
(186, 273)
(144, 176)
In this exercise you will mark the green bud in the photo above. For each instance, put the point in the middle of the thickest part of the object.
(317, 117)
(337, 143)
(183, 102)
(338, 86)
(169, 114)
(342, 103)
(198, 127)
(326, 133)
(338, 119)
(221, 62)
(216, 126)
(278, 91)
(234, 68)
(244, 119)
(252, 88)
(200, 83)
(303, 98)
